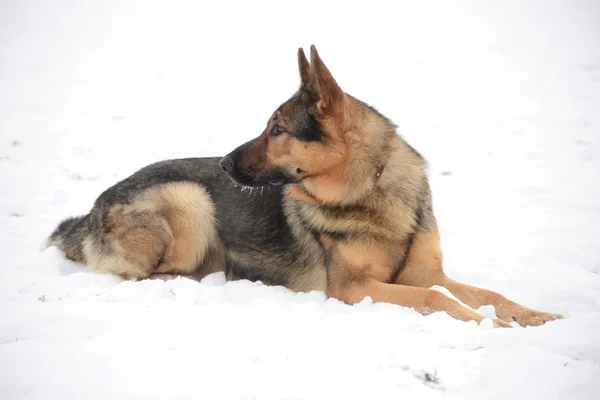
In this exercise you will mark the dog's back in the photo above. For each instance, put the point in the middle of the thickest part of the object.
(186, 217)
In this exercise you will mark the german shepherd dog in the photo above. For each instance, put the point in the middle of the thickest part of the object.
(344, 207)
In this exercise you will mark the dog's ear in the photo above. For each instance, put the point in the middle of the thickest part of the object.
(332, 98)
(304, 68)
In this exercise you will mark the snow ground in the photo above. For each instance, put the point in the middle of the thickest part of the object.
(503, 98)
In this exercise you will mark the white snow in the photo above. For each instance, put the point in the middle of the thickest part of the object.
(503, 99)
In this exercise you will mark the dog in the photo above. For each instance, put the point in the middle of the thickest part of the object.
(341, 203)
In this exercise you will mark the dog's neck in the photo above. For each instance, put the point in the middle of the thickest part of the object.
(302, 193)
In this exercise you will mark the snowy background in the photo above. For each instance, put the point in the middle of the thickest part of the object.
(503, 99)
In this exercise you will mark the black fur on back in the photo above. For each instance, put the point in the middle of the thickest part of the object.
(250, 220)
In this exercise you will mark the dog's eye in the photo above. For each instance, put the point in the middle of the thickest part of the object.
(277, 130)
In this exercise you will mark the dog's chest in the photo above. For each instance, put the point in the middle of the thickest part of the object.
(358, 221)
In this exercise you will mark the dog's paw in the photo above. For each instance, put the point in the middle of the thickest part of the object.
(525, 316)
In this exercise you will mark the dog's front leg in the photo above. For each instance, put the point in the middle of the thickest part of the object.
(425, 301)
(423, 268)
(357, 269)
(506, 309)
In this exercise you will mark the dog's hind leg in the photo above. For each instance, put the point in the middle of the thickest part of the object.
(132, 247)
(168, 228)
(190, 213)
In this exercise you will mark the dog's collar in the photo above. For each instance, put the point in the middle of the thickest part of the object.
(378, 173)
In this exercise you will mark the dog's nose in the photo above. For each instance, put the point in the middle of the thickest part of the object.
(226, 163)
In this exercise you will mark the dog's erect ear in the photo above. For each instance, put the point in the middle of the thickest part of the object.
(304, 68)
(330, 93)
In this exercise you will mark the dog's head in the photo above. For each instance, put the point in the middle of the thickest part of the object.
(303, 137)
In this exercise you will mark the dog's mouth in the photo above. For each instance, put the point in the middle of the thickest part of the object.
(247, 181)
(276, 182)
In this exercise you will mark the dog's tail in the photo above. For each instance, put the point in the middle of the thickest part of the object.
(69, 235)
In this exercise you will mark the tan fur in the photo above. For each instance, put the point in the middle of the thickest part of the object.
(191, 215)
(506, 309)
(421, 300)
(317, 160)
(136, 245)
(316, 279)
(424, 260)
(357, 261)
(169, 228)
(424, 269)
